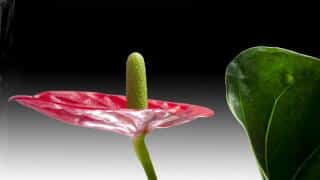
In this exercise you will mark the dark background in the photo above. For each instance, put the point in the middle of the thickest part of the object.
(174, 36)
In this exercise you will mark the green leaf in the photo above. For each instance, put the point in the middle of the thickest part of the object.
(275, 93)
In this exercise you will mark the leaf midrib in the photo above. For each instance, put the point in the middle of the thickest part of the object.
(305, 161)
(275, 103)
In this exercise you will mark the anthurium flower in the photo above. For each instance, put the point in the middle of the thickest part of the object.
(110, 112)
(133, 115)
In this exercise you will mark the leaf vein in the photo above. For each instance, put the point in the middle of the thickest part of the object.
(269, 127)
(303, 164)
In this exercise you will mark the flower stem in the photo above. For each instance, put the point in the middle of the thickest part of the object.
(144, 156)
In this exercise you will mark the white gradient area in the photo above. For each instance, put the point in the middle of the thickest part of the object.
(206, 149)
(3, 144)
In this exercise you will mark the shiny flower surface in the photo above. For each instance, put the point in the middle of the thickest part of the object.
(109, 112)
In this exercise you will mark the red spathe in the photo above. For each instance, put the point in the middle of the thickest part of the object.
(109, 112)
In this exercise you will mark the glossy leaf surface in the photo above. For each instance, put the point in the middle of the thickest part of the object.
(275, 93)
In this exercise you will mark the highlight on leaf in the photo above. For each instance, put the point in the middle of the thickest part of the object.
(274, 94)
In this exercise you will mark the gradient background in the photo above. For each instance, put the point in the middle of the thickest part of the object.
(83, 45)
